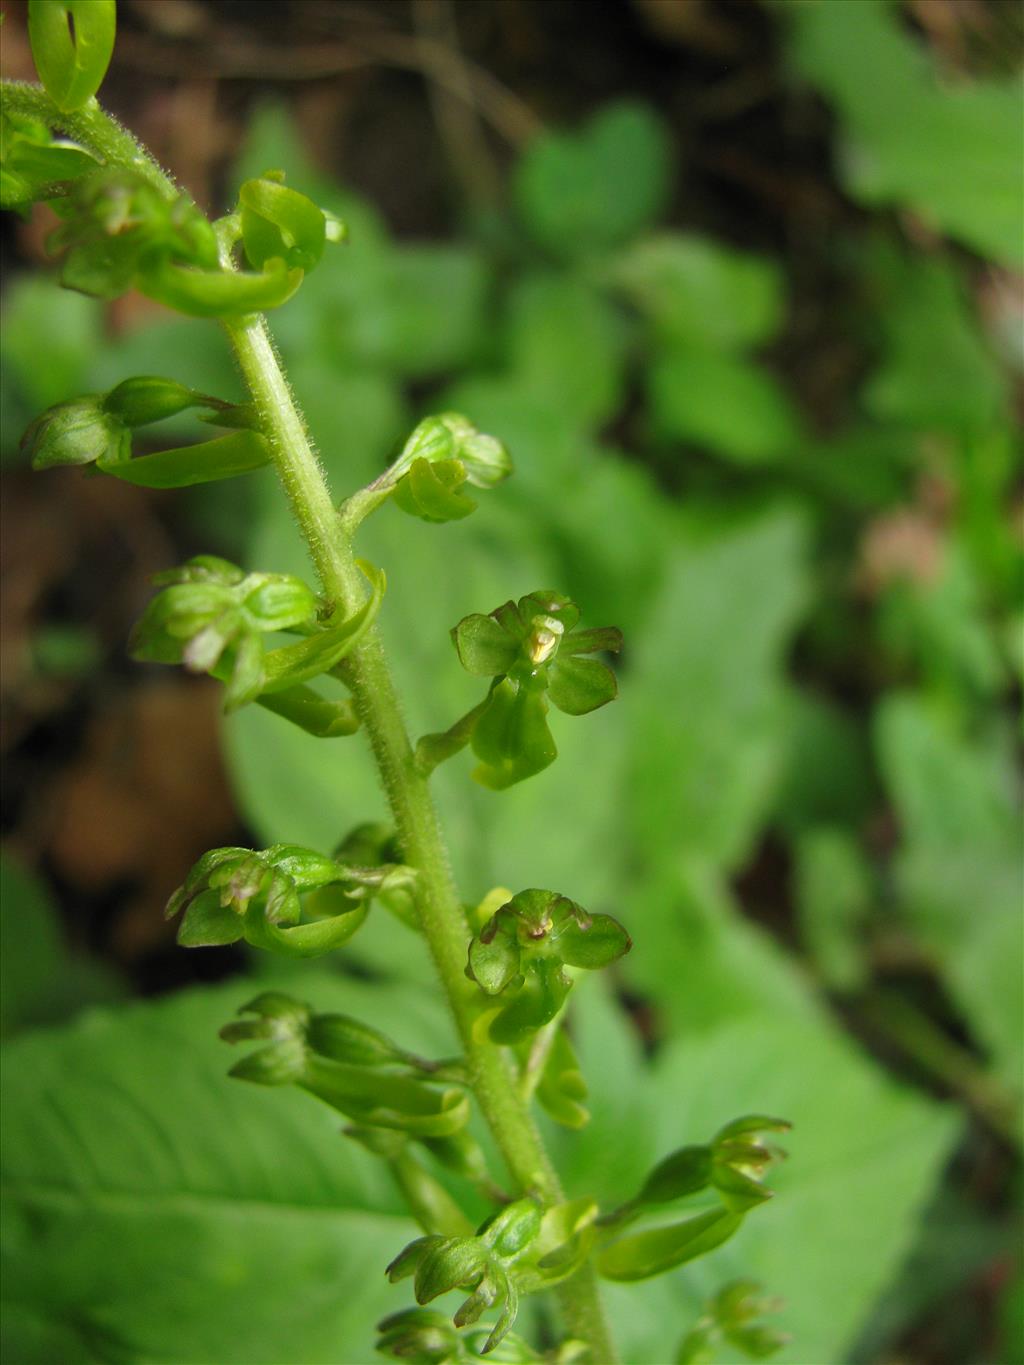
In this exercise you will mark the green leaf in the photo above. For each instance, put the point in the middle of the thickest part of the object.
(701, 294)
(643, 1254)
(728, 405)
(938, 371)
(581, 193)
(159, 1174)
(834, 896)
(565, 345)
(825, 777)
(853, 1128)
(72, 43)
(958, 869)
(704, 703)
(41, 982)
(949, 150)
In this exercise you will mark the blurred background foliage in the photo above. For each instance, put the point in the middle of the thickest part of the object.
(736, 282)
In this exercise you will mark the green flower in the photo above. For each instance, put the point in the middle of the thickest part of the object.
(534, 655)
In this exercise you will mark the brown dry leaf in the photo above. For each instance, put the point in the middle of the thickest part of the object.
(903, 544)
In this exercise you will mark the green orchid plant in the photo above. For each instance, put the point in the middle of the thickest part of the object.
(506, 968)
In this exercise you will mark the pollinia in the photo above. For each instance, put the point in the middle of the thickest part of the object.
(310, 653)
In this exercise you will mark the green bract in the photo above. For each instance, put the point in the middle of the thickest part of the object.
(97, 429)
(521, 953)
(533, 654)
(644, 1254)
(72, 43)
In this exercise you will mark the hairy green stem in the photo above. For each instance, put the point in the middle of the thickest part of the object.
(328, 540)
(442, 917)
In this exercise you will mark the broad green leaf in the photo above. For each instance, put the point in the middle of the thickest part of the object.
(165, 1212)
(938, 372)
(721, 403)
(854, 1130)
(585, 192)
(705, 694)
(825, 777)
(41, 982)
(40, 316)
(949, 150)
(566, 343)
(834, 897)
(958, 870)
(698, 958)
(937, 626)
(700, 293)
